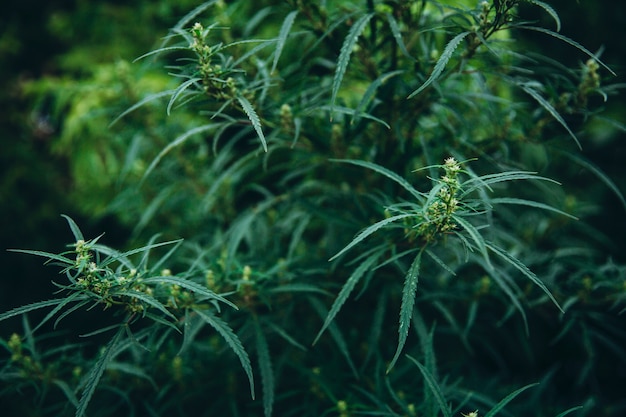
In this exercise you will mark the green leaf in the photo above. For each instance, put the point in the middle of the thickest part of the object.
(176, 142)
(550, 109)
(192, 14)
(346, 290)
(508, 399)
(50, 256)
(524, 270)
(598, 173)
(233, 341)
(476, 237)
(30, 307)
(406, 309)
(140, 103)
(190, 285)
(254, 119)
(265, 366)
(395, 30)
(180, 90)
(571, 410)
(434, 387)
(368, 231)
(387, 173)
(369, 94)
(96, 373)
(568, 41)
(344, 56)
(485, 181)
(549, 10)
(282, 37)
(78, 235)
(529, 203)
(335, 334)
(442, 62)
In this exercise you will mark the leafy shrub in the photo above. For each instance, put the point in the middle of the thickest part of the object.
(373, 219)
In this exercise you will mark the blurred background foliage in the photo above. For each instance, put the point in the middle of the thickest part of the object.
(66, 72)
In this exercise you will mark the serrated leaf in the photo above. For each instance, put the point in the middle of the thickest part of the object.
(346, 290)
(550, 109)
(368, 231)
(434, 387)
(282, 37)
(349, 111)
(50, 256)
(176, 142)
(96, 373)
(508, 399)
(568, 41)
(233, 341)
(571, 410)
(406, 309)
(78, 235)
(140, 103)
(189, 285)
(192, 14)
(476, 237)
(529, 203)
(30, 307)
(265, 367)
(370, 93)
(395, 30)
(254, 119)
(387, 173)
(178, 91)
(598, 173)
(517, 264)
(335, 334)
(441, 63)
(549, 10)
(344, 55)
(485, 181)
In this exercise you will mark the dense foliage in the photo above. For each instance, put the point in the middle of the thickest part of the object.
(334, 208)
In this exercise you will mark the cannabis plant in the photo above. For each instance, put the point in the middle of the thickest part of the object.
(351, 208)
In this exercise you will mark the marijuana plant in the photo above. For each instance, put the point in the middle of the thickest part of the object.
(332, 166)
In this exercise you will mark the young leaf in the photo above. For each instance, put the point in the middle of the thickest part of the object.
(176, 142)
(180, 90)
(549, 10)
(233, 341)
(368, 231)
(344, 56)
(370, 93)
(387, 173)
(96, 373)
(335, 334)
(282, 37)
(529, 203)
(30, 307)
(550, 109)
(476, 237)
(569, 41)
(434, 387)
(524, 270)
(406, 309)
(441, 63)
(265, 366)
(78, 235)
(190, 285)
(254, 119)
(395, 30)
(507, 400)
(346, 290)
